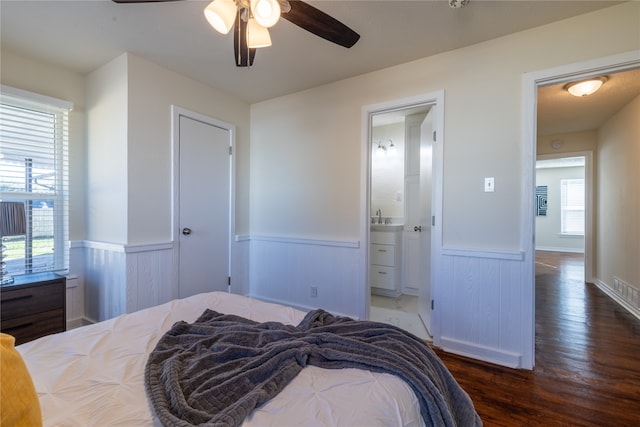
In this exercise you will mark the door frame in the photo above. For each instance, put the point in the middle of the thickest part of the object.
(437, 100)
(531, 82)
(176, 113)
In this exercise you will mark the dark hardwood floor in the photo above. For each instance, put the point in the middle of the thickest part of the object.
(587, 369)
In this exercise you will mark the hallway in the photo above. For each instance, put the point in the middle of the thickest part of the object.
(587, 370)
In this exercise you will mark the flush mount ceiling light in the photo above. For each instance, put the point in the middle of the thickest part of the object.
(585, 87)
(252, 18)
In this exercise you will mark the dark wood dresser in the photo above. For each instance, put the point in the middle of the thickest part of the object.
(33, 306)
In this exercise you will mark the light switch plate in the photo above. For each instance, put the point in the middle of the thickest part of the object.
(489, 185)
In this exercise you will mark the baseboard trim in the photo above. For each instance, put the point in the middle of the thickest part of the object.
(555, 249)
(478, 253)
(293, 305)
(487, 354)
(617, 298)
(302, 241)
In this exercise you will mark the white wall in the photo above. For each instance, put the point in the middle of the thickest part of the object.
(483, 108)
(315, 193)
(548, 235)
(107, 181)
(152, 91)
(569, 143)
(129, 260)
(130, 133)
(618, 201)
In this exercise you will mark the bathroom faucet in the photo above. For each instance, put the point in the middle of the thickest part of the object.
(379, 213)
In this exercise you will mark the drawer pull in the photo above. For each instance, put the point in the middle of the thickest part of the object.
(18, 298)
(14, 328)
(382, 250)
(382, 272)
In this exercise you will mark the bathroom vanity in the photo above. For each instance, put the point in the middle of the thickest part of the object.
(386, 265)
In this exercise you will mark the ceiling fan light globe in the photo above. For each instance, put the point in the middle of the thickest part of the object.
(221, 15)
(266, 12)
(257, 35)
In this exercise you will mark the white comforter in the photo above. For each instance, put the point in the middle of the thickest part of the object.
(93, 376)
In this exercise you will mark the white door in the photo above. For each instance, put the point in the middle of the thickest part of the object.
(204, 194)
(417, 230)
(423, 228)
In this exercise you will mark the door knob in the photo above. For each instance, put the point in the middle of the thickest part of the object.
(417, 228)
(186, 231)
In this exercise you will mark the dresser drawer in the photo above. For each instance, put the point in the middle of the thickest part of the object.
(27, 328)
(383, 277)
(34, 299)
(383, 255)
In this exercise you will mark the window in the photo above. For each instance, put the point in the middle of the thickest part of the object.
(34, 171)
(572, 206)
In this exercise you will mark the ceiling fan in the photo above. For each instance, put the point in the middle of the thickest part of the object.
(251, 19)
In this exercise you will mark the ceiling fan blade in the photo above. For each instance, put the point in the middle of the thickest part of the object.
(244, 55)
(319, 23)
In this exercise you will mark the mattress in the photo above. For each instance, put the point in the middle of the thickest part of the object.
(94, 375)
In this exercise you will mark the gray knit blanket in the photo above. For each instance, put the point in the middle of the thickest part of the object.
(215, 371)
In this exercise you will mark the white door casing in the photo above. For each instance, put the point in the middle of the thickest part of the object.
(202, 202)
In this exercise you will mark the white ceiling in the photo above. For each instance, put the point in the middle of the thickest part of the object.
(83, 35)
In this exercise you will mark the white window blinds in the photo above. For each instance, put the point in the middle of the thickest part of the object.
(34, 134)
(572, 206)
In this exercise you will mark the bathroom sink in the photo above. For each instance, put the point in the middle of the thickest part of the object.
(386, 227)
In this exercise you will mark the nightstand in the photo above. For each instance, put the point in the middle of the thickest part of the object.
(34, 305)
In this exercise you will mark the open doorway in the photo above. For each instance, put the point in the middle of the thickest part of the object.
(555, 130)
(564, 208)
(403, 157)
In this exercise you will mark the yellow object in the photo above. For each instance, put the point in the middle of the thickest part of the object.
(19, 404)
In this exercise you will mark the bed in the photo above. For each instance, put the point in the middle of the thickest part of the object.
(95, 375)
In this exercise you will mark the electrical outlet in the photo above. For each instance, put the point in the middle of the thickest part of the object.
(314, 292)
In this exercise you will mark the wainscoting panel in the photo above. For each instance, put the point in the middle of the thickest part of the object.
(240, 265)
(121, 279)
(105, 281)
(290, 271)
(149, 275)
(479, 305)
(75, 286)
(75, 302)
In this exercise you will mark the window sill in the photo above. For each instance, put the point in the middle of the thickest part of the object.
(570, 235)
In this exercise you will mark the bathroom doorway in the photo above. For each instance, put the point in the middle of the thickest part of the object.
(402, 214)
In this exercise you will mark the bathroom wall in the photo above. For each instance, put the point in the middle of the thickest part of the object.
(387, 172)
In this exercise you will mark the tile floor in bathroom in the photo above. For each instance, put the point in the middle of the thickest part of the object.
(401, 311)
